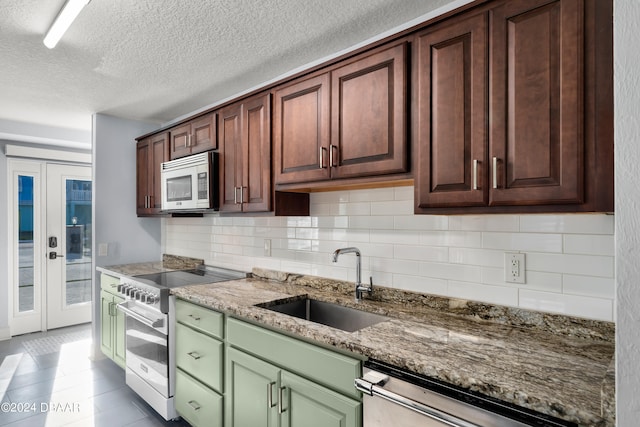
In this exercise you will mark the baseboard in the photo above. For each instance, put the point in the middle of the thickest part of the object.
(5, 334)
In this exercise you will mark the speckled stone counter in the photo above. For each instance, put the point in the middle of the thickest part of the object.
(556, 365)
(168, 263)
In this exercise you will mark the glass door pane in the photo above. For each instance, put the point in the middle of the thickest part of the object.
(25, 244)
(78, 241)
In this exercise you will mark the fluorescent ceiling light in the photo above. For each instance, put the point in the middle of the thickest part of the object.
(64, 19)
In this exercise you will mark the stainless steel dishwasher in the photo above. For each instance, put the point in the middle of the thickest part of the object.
(393, 397)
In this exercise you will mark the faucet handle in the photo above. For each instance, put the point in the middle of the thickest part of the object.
(370, 284)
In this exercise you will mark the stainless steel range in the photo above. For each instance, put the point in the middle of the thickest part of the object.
(150, 344)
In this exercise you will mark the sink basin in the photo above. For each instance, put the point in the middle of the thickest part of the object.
(326, 313)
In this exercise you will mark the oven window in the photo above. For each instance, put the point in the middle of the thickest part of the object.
(147, 354)
(179, 188)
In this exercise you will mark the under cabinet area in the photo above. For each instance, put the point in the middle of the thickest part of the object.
(505, 99)
(112, 333)
(150, 153)
(349, 122)
(245, 147)
(199, 364)
(272, 379)
(194, 137)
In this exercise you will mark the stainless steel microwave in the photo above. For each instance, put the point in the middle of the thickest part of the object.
(190, 183)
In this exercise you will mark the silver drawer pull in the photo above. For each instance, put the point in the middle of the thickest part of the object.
(195, 317)
(280, 399)
(495, 172)
(195, 355)
(475, 174)
(270, 394)
(194, 405)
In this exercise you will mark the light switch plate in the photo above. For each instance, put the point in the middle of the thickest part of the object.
(267, 247)
(514, 267)
(103, 249)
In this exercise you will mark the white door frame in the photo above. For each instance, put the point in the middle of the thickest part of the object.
(20, 323)
(35, 320)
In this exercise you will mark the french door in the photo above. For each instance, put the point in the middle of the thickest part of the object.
(50, 254)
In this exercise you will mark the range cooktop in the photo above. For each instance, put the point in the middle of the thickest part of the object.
(175, 279)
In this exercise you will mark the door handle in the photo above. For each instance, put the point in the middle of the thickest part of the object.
(53, 255)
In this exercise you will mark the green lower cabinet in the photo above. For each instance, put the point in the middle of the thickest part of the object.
(196, 403)
(251, 397)
(307, 404)
(262, 395)
(112, 339)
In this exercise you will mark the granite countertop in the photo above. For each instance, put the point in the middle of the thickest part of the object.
(556, 365)
(168, 263)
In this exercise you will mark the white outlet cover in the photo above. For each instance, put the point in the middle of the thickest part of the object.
(514, 267)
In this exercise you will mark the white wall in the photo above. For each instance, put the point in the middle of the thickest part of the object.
(627, 152)
(130, 239)
(569, 258)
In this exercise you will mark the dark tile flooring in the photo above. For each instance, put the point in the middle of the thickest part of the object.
(47, 379)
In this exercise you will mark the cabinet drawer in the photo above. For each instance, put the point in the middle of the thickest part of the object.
(200, 318)
(109, 283)
(197, 404)
(200, 356)
(320, 365)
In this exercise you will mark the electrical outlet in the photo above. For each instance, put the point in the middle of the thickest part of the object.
(267, 247)
(103, 249)
(514, 268)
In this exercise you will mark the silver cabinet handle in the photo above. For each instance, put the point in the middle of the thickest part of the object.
(194, 405)
(495, 172)
(428, 411)
(194, 317)
(331, 162)
(241, 195)
(475, 174)
(188, 141)
(194, 354)
(235, 195)
(321, 160)
(280, 398)
(270, 394)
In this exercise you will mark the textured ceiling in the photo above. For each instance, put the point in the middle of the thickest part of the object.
(156, 60)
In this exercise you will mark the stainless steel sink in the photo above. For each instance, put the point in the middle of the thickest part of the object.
(326, 313)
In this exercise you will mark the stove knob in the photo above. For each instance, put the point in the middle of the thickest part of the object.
(151, 299)
(137, 294)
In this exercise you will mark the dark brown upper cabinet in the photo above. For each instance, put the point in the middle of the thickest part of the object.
(507, 97)
(194, 137)
(245, 149)
(536, 109)
(349, 122)
(150, 153)
(451, 113)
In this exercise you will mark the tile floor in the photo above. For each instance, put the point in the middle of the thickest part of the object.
(47, 379)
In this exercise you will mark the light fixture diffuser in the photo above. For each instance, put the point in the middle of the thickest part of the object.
(62, 22)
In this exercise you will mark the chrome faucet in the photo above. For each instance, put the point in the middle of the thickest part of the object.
(360, 288)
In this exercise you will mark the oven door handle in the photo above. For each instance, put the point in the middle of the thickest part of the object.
(372, 389)
(157, 323)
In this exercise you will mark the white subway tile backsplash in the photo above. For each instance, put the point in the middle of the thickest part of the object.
(485, 293)
(569, 257)
(485, 223)
(575, 224)
(589, 244)
(572, 305)
(523, 242)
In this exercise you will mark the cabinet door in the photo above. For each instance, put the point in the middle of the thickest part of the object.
(369, 108)
(159, 152)
(451, 114)
(252, 387)
(203, 134)
(180, 141)
(536, 104)
(256, 155)
(106, 328)
(230, 137)
(301, 131)
(143, 154)
(119, 334)
(306, 404)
